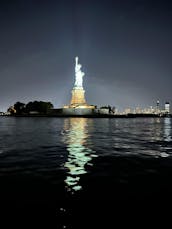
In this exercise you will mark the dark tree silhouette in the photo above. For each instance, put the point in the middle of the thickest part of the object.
(19, 107)
(37, 106)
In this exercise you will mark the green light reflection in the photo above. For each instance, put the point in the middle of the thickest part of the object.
(76, 137)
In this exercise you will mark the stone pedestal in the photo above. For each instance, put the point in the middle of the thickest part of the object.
(78, 97)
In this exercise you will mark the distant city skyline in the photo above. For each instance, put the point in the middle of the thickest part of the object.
(124, 47)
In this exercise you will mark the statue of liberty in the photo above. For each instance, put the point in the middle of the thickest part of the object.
(78, 74)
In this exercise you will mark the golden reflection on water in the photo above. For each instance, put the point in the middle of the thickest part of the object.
(76, 138)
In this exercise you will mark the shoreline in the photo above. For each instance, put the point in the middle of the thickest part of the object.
(92, 116)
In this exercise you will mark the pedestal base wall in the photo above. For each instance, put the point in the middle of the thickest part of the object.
(78, 97)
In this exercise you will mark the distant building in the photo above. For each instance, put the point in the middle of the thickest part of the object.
(167, 108)
(127, 111)
(157, 109)
(138, 110)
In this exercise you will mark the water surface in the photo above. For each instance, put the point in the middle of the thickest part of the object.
(52, 164)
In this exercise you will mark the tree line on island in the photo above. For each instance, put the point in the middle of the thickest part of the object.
(35, 107)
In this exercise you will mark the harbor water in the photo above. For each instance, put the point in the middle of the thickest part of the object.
(55, 170)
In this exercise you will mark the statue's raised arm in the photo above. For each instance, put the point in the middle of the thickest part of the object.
(76, 60)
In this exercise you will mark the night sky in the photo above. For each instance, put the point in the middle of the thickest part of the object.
(125, 48)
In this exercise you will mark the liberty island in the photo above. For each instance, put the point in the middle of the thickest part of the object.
(78, 105)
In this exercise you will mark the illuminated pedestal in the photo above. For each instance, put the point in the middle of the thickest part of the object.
(78, 102)
(78, 98)
(78, 105)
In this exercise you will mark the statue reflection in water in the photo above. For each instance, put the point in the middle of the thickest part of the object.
(76, 137)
